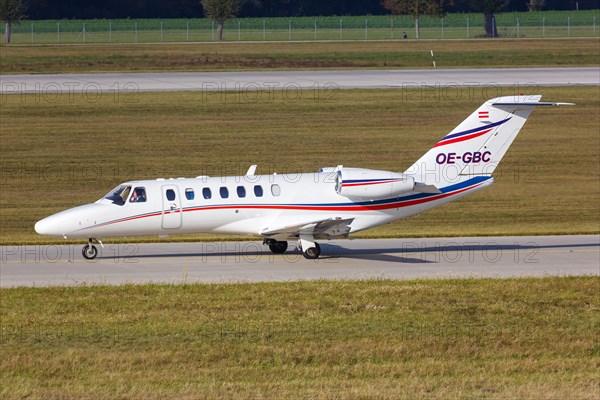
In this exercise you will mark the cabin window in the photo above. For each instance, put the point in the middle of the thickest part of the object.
(189, 194)
(170, 194)
(258, 191)
(241, 191)
(119, 194)
(206, 193)
(138, 195)
(224, 192)
(275, 190)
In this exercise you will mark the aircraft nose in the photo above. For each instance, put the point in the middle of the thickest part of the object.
(54, 225)
(65, 223)
(43, 227)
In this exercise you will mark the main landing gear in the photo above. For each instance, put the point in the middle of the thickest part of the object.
(276, 246)
(310, 249)
(312, 253)
(89, 251)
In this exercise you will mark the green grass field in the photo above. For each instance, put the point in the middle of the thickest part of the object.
(249, 34)
(59, 152)
(449, 339)
(261, 56)
(582, 23)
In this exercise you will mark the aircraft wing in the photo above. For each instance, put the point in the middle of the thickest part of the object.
(321, 229)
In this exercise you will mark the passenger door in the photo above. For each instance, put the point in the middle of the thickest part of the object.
(171, 211)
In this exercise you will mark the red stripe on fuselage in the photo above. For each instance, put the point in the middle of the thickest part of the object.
(375, 207)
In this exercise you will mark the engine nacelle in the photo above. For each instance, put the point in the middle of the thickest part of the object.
(372, 184)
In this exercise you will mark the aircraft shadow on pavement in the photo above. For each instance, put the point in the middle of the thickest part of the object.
(408, 252)
(291, 256)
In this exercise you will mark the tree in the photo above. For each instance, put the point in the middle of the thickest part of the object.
(416, 8)
(536, 5)
(10, 11)
(220, 11)
(489, 8)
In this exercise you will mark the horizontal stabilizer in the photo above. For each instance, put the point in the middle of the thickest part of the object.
(532, 103)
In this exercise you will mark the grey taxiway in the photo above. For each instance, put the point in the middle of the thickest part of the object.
(177, 263)
(46, 265)
(521, 79)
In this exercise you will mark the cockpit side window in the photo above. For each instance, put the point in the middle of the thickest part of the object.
(138, 195)
(119, 194)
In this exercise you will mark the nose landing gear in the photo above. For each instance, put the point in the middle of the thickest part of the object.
(89, 251)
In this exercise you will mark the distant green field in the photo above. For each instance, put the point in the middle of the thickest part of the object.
(447, 339)
(300, 55)
(65, 150)
(452, 26)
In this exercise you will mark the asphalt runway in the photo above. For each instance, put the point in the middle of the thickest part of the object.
(177, 263)
(523, 79)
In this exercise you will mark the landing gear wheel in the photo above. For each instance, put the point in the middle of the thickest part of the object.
(312, 252)
(89, 251)
(278, 247)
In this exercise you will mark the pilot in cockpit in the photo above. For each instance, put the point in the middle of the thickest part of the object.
(138, 196)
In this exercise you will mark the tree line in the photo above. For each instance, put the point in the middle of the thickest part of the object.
(117, 9)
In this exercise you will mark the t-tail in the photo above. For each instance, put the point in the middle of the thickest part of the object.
(473, 150)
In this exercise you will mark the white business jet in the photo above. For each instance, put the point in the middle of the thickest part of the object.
(328, 204)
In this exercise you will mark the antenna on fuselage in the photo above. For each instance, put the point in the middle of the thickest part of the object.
(251, 170)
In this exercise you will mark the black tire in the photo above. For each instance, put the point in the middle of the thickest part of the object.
(278, 247)
(312, 252)
(89, 252)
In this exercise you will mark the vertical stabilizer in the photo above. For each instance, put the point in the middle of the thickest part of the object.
(477, 145)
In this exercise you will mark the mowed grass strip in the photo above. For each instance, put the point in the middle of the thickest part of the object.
(294, 55)
(72, 149)
(446, 339)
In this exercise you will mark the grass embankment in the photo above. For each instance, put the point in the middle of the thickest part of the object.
(72, 150)
(451, 339)
(252, 56)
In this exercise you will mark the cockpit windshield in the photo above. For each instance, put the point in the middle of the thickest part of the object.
(119, 194)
